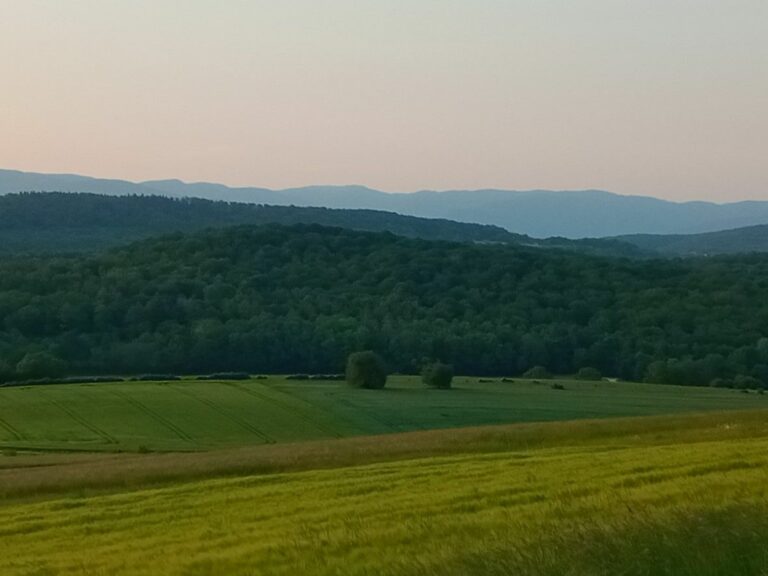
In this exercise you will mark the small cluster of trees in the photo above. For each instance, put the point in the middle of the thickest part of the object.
(368, 370)
(32, 366)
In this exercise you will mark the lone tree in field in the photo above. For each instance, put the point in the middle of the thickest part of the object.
(437, 375)
(366, 370)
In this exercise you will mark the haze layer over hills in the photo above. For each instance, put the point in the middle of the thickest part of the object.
(540, 213)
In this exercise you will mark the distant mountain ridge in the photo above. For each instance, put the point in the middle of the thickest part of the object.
(537, 213)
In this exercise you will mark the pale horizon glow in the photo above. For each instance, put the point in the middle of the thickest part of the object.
(659, 98)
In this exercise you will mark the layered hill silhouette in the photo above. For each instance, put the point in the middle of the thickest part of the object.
(76, 222)
(538, 213)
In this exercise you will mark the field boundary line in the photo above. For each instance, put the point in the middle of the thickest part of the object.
(219, 410)
(304, 413)
(154, 415)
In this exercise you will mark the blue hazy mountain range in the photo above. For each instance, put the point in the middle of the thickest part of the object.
(537, 213)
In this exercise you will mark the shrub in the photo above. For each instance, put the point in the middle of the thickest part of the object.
(558, 387)
(588, 373)
(91, 379)
(538, 372)
(66, 380)
(327, 377)
(226, 376)
(437, 375)
(721, 383)
(746, 382)
(155, 377)
(366, 370)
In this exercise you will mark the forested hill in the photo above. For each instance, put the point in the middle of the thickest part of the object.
(71, 222)
(737, 241)
(299, 299)
(537, 213)
(74, 222)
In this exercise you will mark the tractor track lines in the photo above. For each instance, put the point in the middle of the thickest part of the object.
(103, 434)
(301, 412)
(219, 410)
(17, 435)
(388, 426)
(154, 415)
(9, 427)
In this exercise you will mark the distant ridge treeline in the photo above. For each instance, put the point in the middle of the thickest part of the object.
(737, 241)
(299, 299)
(73, 222)
(537, 213)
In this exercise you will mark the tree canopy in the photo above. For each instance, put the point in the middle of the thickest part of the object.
(300, 299)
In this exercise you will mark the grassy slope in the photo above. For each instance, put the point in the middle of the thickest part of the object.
(682, 495)
(192, 415)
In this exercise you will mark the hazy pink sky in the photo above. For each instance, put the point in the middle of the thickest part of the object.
(659, 97)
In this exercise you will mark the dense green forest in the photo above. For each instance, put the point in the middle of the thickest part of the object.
(736, 241)
(56, 222)
(301, 298)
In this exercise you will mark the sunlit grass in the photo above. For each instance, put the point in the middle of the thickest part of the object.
(202, 415)
(689, 497)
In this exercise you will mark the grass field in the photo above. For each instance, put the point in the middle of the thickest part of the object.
(675, 495)
(199, 415)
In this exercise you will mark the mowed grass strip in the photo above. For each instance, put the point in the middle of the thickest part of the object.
(193, 415)
(687, 497)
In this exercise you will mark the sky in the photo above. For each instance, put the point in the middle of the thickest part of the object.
(667, 98)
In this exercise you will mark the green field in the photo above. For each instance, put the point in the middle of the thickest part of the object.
(193, 415)
(281, 477)
(676, 495)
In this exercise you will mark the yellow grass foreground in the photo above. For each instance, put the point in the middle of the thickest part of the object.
(687, 496)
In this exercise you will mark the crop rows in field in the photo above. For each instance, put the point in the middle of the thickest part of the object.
(172, 416)
(194, 415)
(681, 507)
